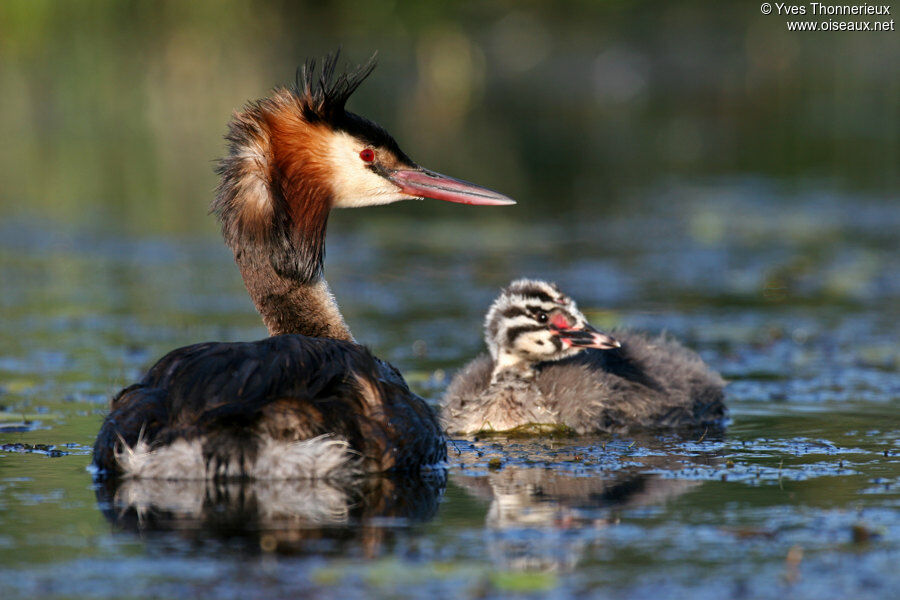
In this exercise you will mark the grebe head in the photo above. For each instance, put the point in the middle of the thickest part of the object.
(533, 321)
(358, 159)
(294, 156)
(299, 153)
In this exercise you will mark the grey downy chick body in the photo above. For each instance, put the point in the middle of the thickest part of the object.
(547, 368)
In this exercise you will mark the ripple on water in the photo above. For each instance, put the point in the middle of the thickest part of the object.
(798, 497)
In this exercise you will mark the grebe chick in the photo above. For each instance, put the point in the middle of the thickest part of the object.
(548, 368)
(309, 401)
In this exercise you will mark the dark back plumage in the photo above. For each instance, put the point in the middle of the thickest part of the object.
(234, 397)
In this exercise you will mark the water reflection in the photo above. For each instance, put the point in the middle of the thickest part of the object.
(275, 516)
(544, 519)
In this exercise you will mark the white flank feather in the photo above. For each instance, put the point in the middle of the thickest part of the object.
(320, 457)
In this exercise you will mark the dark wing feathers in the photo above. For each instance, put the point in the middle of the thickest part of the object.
(287, 388)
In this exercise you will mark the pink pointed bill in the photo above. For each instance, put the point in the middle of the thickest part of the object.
(427, 184)
(588, 338)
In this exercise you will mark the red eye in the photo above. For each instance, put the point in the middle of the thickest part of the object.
(368, 155)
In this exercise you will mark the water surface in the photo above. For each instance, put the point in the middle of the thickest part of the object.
(799, 494)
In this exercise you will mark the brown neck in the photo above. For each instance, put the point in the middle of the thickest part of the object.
(274, 208)
(290, 305)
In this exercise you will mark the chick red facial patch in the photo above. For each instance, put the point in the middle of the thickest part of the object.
(560, 321)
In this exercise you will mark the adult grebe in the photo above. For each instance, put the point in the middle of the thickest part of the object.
(309, 401)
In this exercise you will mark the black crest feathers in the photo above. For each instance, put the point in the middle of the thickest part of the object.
(322, 93)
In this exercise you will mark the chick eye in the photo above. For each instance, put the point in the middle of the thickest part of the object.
(541, 317)
(367, 155)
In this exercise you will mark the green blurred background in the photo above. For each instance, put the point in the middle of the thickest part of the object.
(113, 111)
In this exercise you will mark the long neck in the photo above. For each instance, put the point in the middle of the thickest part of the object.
(290, 305)
(283, 269)
(274, 212)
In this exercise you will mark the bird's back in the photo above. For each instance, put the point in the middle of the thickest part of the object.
(648, 383)
(283, 407)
